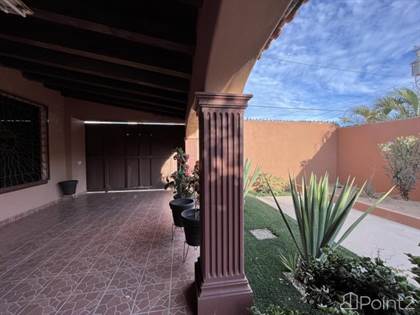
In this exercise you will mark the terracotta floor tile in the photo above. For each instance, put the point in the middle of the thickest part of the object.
(96, 281)
(63, 285)
(24, 290)
(152, 298)
(78, 266)
(12, 308)
(126, 278)
(158, 273)
(181, 293)
(181, 311)
(81, 304)
(44, 306)
(6, 286)
(103, 253)
(105, 263)
(118, 302)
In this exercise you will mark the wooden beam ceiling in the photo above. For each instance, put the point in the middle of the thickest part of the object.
(60, 85)
(94, 56)
(170, 20)
(56, 85)
(84, 49)
(33, 31)
(91, 97)
(66, 61)
(112, 31)
(44, 73)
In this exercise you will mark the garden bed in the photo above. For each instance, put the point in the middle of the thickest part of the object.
(271, 283)
(263, 268)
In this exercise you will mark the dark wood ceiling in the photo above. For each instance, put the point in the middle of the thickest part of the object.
(134, 54)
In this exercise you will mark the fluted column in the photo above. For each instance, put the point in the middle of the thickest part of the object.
(222, 286)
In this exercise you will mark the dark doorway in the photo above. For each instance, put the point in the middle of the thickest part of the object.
(130, 156)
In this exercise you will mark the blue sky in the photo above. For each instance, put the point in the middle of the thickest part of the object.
(334, 55)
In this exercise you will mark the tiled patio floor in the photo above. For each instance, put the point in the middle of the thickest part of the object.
(97, 254)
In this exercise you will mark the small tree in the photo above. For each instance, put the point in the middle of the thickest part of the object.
(403, 157)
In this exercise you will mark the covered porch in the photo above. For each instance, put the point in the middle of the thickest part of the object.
(178, 63)
(97, 254)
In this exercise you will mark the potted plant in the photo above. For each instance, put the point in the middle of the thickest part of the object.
(191, 217)
(180, 182)
(68, 187)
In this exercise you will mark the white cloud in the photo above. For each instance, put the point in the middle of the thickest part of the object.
(373, 40)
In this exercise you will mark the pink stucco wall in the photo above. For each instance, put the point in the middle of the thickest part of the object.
(359, 155)
(16, 202)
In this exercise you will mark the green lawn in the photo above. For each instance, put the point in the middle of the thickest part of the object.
(282, 193)
(262, 264)
(263, 269)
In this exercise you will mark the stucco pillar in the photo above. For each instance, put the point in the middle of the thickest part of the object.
(191, 148)
(222, 287)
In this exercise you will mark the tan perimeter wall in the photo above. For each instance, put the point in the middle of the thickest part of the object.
(295, 148)
(359, 155)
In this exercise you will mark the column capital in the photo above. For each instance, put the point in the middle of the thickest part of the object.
(209, 100)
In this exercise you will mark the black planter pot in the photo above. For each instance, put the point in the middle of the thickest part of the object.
(192, 226)
(68, 187)
(179, 196)
(179, 205)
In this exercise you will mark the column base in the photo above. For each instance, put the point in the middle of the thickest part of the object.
(223, 297)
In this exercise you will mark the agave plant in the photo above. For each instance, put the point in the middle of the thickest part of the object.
(249, 176)
(320, 214)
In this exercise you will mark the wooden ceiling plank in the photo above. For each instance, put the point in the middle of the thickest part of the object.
(113, 96)
(93, 67)
(68, 81)
(112, 31)
(41, 73)
(90, 55)
(125, 104)
(109, 91)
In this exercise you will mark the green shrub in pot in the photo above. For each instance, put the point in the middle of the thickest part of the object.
(181, 178)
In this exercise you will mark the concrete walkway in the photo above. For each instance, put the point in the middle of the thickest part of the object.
(374, 236)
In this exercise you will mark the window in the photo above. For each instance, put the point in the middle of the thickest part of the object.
(23, 143)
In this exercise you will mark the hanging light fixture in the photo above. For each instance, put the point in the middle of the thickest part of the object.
(15, 7)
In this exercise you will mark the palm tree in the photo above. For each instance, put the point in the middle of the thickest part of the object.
(361, 115)
(385, 106)
(410, 101)
(401, 104)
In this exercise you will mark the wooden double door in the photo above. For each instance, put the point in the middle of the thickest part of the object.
(122, 157)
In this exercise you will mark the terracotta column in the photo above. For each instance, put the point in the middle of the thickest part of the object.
(191, 148)
(222, 286)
